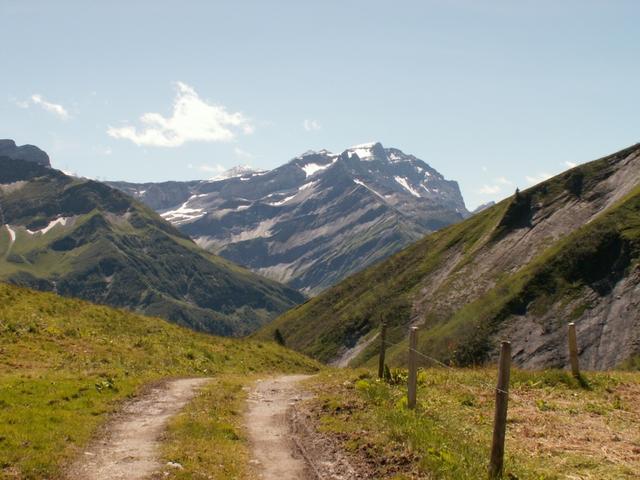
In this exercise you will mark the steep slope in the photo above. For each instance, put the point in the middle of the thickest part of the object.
(315, 220)
(84, 239)
(564, 250)
(66, 365)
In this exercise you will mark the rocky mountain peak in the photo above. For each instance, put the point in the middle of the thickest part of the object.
(368, 151)
(288, 223)
(237, 171)
(29, 153)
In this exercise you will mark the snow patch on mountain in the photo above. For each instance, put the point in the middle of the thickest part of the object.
(363, 151)
(183, 213)
(237, 171)
(12, 235)
(404, 184)
(360, 182)
(307, 185)
(312, 168)
(282, 202)
(58, 221)
(309, 153)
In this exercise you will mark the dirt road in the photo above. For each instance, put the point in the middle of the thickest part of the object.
(129, 448)
(275, 455)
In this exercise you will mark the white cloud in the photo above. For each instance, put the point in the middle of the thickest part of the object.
(242, 153)
(39, 101)
(541, 177)
(54, 108)
(192, 120)
(311, 125)
(570, 164)
(489, 189)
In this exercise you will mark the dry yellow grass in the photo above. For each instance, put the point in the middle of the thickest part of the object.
(557, 428)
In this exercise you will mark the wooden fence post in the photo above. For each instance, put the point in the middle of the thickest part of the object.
(383, 348)
(500, 420)
(413, 368)
(573, 350)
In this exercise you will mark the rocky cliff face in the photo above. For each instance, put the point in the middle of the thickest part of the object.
(29, 153)
(565, 250)
(316, 219)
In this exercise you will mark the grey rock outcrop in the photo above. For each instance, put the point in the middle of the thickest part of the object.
(29, 153)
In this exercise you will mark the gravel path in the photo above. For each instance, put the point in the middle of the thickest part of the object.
(129, 448)
(275, 455)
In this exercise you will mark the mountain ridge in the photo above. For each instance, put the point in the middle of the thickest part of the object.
(315, 219)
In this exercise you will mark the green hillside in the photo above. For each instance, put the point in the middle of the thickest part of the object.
(84, 239)
(564, 250)
(65, 364)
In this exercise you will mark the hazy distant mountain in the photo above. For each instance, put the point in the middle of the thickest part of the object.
(85, 239)
(316, 219)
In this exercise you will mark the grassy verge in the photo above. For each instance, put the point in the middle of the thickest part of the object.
(556, 428)
(66, 364)
(207, 440)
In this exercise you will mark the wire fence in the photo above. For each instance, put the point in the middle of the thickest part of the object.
(503, 392)
(453, 369)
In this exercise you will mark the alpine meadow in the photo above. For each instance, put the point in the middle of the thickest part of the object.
(319, 241)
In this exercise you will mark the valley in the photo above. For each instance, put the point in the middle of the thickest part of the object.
(319, 240)
(116, 394)
(314, 220)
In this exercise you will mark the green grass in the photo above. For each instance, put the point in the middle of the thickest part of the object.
(556, 429)
(208, 439)
(66, 364)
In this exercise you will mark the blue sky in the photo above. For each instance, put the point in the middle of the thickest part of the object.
(493, 94)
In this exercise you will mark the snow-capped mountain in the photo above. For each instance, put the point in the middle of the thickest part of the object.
(316, 219)
(237, 171)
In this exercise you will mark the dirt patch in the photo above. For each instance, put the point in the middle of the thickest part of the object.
(557, 425)
(285, 439)
(129, 447)
(325, 454)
